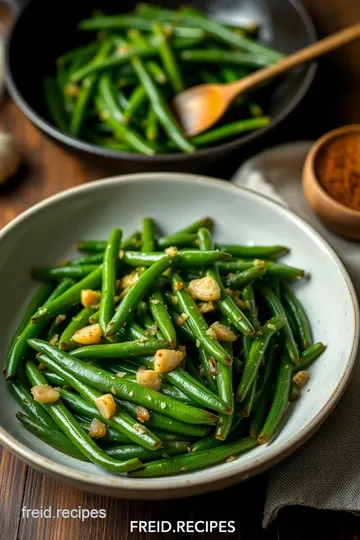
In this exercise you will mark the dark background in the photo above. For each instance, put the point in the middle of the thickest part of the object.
(334, 100)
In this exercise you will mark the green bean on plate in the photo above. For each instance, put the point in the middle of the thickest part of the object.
(115, 90)
(178, 356)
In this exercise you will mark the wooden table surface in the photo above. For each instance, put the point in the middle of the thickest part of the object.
(49, 170)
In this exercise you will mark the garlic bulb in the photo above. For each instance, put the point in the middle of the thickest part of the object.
(9, 157)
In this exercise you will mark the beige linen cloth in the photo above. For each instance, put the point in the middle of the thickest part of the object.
(325, 472)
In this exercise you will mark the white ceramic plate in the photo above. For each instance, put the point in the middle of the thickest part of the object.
(45, 233)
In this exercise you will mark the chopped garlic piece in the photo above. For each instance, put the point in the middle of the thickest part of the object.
(59, 319)
(206, 288)
(89, 335)
(172, 251)
(148, 378)
(97, 429)
(90, 298)
(222, 333)
(165, 361)
(142, 414)
(182, 318)
(54, 340)
(106, 405)
(178, 286)
(129, 280)
(43, 393)
(206, 307)
(301, 378)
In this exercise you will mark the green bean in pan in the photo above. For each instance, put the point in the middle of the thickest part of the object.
(161, 108)
(164, 423)
(259, 413)
(197, 321)
(280, 401)
(220, 56)
(168, 449)
(128, 390)
(120, 421)
(70, 297)
(152, 126)
(148, 235)
(137, 98)
(95, 246)
(19, 346)
(157, 72)
(50, 436)
(71, 428)
(60, 272)
(55, 103)
(30, 406)
(94, 259)
(88, 86)
(272, 268)
(127, 349)
(309, 356)
(111, 436)
(168, 59)
(151, 327)
(108, 290)
(80, 320)
(209, 367)
(161, 316)
(195, 460)
(241, 279)
(248, 296)
(184, 258)
(276, 308)
(256, 354)
(136, 293)
(225, 303)
(230, 130)
(53, 379)
(253, 252)
(293, 305)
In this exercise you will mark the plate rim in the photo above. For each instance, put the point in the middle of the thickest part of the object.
(180, 486)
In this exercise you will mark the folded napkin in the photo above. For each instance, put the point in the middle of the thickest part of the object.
(325, 472)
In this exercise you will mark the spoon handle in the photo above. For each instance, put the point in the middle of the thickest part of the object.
(304, 55)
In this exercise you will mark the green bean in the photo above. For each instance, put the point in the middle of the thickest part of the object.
(108, 290)
(248, 296)
(50, 436)
(114, 22)
(152, 127)
(272, 268)
(110, 111)
(134, 296)
(309, 356)
(275, 306)
(293, 305)
(198, 323)
(161, 107)
(182, 326)
(19, 346)
(55, 103)
(78, 113)
(137, 98)
(280, 401)
(178, 240)
(254, 252)
(36, 301)
(70, 297)
(246, 406)
(95, 246)
(161, 316)
(71, 428)
(165, 423)
(66, 341)
(259, 414)
(220, 56)
(95, 259)
(117, 60)
(120, 421)
(78, 404)
(184, 258)
(148, 235)
(31, 407)
(256, 354)
(206, 222)
(147, 322)
(205, 360)
(230, 130)
(196, 460)
(226, 303)
(157, 72)
(53, 379)
(225, 391)
(128, 390)
(168, 449)
(60, 272)
(72, 56)
(127, 349)
(227, 36)
(168, 59)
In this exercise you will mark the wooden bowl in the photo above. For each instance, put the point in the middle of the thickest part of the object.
(338, 217)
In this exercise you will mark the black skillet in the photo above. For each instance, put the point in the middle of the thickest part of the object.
(44, 29)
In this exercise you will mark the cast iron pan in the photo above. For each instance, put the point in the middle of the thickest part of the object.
(44, 29)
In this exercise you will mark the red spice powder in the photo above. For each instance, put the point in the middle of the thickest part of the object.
(337, 168)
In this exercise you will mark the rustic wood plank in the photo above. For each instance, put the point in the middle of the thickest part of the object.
(13, 475)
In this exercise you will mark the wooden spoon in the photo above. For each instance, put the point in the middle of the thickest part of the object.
(199, 107)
